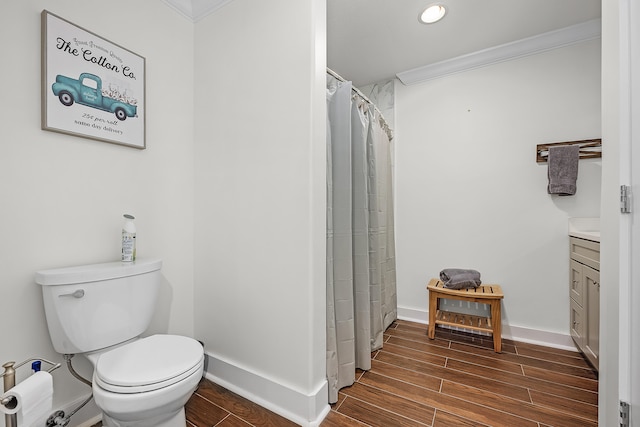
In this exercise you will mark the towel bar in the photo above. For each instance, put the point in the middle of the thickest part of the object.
(589, 149)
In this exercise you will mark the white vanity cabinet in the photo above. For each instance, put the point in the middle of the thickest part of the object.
(584, 289)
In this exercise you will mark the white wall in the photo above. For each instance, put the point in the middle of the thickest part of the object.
(62, 197)
(260, 201)
(469, 192)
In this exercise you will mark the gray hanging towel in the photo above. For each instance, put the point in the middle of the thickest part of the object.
(563, 169)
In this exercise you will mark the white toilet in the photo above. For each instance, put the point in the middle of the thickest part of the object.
(99, 311)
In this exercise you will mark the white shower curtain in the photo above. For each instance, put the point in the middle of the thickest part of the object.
(361, 276)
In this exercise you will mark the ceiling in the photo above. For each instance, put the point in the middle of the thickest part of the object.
(369, 41)
(196, 9)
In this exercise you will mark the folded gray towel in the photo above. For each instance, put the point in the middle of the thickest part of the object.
(563, 169)
(459, 278)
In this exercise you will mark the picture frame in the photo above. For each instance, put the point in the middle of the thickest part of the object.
(91, 87)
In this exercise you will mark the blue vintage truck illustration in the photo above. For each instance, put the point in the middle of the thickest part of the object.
(87, 90)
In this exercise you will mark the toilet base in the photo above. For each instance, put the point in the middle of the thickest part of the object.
(175, 420)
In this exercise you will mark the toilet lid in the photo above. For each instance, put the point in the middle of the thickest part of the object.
(149, 364)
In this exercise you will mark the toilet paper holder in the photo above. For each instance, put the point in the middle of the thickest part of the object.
(9, 380)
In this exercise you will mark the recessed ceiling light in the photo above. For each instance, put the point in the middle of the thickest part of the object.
(432, 14)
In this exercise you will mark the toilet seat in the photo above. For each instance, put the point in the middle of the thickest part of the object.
(149, 364)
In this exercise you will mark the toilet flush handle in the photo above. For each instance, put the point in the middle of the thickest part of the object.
(77, 294)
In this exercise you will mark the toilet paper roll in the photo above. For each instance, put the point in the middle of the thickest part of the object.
(34, 397)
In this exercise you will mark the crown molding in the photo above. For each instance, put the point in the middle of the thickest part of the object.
(195, 10)
(574, 34)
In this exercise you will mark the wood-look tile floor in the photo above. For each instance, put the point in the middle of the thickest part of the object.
(455, 380)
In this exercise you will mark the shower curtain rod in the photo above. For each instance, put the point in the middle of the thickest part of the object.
(384, 123)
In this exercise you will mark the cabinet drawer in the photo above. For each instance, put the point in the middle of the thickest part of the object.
(585, 252)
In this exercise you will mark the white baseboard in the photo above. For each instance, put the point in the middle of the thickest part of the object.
(90, 422)
(516, 333)
(534, 336)
(413, 315)
(307, 410)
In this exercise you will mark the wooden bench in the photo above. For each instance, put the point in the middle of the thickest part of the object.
(485, 294)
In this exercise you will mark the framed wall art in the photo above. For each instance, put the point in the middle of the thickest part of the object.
(91, 87)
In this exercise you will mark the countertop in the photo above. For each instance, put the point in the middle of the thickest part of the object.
(585, 228)
(594, 236)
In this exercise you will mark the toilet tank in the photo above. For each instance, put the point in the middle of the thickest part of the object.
(91, 307)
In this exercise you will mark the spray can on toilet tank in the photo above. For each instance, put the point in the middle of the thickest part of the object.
(128, 239)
